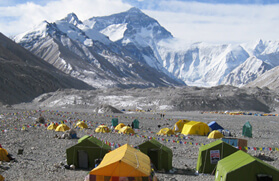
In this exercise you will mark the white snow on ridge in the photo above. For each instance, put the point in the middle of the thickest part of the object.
(115, 32)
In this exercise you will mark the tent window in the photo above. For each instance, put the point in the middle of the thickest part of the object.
(264, 177)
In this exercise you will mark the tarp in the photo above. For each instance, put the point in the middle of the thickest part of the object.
(119, 126)
(165, 131)
(126, 130)
(81, 125)
(215, 135)
(102, 129)
(4, 155)
(247, 130)
(211, 153)
(91, 146)
(52, 126)
(242, 166)
(159, 154)
(195, 128)
(62, 127)
(124, 161)
(215, 126)
(178, 126)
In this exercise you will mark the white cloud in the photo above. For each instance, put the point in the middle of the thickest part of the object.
(218, 23)
(19, 18)
(191, 21)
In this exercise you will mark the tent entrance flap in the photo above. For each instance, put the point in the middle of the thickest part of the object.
(153, 155)
(83, 159)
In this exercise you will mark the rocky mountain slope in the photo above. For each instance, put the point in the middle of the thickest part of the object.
(24, 76)
(113, 51)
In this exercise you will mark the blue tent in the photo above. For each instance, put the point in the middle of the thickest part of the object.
(215, 126)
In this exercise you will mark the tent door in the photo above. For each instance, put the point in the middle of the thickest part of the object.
(153, 155)
(82, 159)
(263, 177)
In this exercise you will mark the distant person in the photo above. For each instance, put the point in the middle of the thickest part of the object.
(132, 125)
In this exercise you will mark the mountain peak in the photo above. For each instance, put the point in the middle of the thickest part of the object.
(72, 18)
(134, 10)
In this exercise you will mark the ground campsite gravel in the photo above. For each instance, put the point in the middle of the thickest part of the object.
(44, 154)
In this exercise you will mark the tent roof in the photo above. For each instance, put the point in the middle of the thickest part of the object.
(156, 144)
(94, 140)
(124, 161)
(240, 159)
(212, 144)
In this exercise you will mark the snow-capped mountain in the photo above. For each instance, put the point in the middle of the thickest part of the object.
(90, 56)
(132, 49)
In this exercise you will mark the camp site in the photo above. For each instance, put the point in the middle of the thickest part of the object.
(180, 146)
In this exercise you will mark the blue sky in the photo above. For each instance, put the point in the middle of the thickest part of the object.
(212, 21)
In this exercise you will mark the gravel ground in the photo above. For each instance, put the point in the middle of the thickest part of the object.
(43, 154)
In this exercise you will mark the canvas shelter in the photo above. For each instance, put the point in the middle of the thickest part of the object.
(62, 127)
(195, 128)
(84, 154)
(215, 135)
(247, 130)
(178, 126)
(102, 129)
(159, 154)
(119, 126)
(165, 131)
(4, 155)
(81, 125)
(114, 122)
(211, 153)
(242, 166)
(213, 125)
(2, 178)
(126, 130)
(135, 124)
(52, 126)
(124, 161)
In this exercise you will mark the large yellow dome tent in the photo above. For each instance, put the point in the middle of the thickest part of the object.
(119, 126)
(215, 134)
(178, 126)
(62, 127)
(195, 128)
(165, 131)
(102, 129)
(124, 161)
(126, 130)
(81, 125)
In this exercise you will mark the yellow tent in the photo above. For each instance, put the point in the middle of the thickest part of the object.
(81, 125)
(102, 129)
(126, 130)
(2, 178)
(195, 128)
(62, 127)
(52, 126)
(215, 134)
(165, 131)
(3, 155)
(178, 126)
(124, 161)
(119, 126)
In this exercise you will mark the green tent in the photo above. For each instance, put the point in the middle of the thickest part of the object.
(247, 130)
(242, 166)
(84, 154)
(114, 122)
(159, 154)
(211, 153)
(135, 124)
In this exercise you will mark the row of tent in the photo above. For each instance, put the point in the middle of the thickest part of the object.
(231, 164)
(89, 148)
